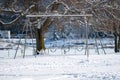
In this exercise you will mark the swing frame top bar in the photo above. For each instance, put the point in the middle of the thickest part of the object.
(58, 15)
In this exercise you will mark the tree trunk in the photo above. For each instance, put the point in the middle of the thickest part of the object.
(119, 44)
(115, 38)
(116, 43)
(40, 35)
(39, 41)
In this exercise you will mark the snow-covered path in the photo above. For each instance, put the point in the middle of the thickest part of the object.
(74, 67)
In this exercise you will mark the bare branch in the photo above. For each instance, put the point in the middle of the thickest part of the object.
(113, 15)
(59, 3)
(21, 14)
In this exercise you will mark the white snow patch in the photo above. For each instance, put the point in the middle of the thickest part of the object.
(26, 79)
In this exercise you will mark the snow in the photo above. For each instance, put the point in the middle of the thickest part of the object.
(72, 65)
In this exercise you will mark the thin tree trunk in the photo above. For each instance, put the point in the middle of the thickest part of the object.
(119, 44)
(115, 38)
(116, 43)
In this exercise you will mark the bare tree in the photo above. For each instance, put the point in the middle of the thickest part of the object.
(107, 18)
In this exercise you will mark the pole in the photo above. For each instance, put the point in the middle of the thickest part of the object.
(87, 50)
(58, 15)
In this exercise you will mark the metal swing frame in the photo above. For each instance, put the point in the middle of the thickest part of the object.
(60, 15)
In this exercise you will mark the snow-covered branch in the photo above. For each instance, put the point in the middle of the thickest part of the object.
(16, 11)
(20, 15)
(66, 8)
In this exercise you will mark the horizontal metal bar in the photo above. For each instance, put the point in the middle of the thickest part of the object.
(58, 15)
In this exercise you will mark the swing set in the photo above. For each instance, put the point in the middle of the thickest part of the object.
(64, 49)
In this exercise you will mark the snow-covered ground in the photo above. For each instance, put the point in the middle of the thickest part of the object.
(72, 67)
(63, 64)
